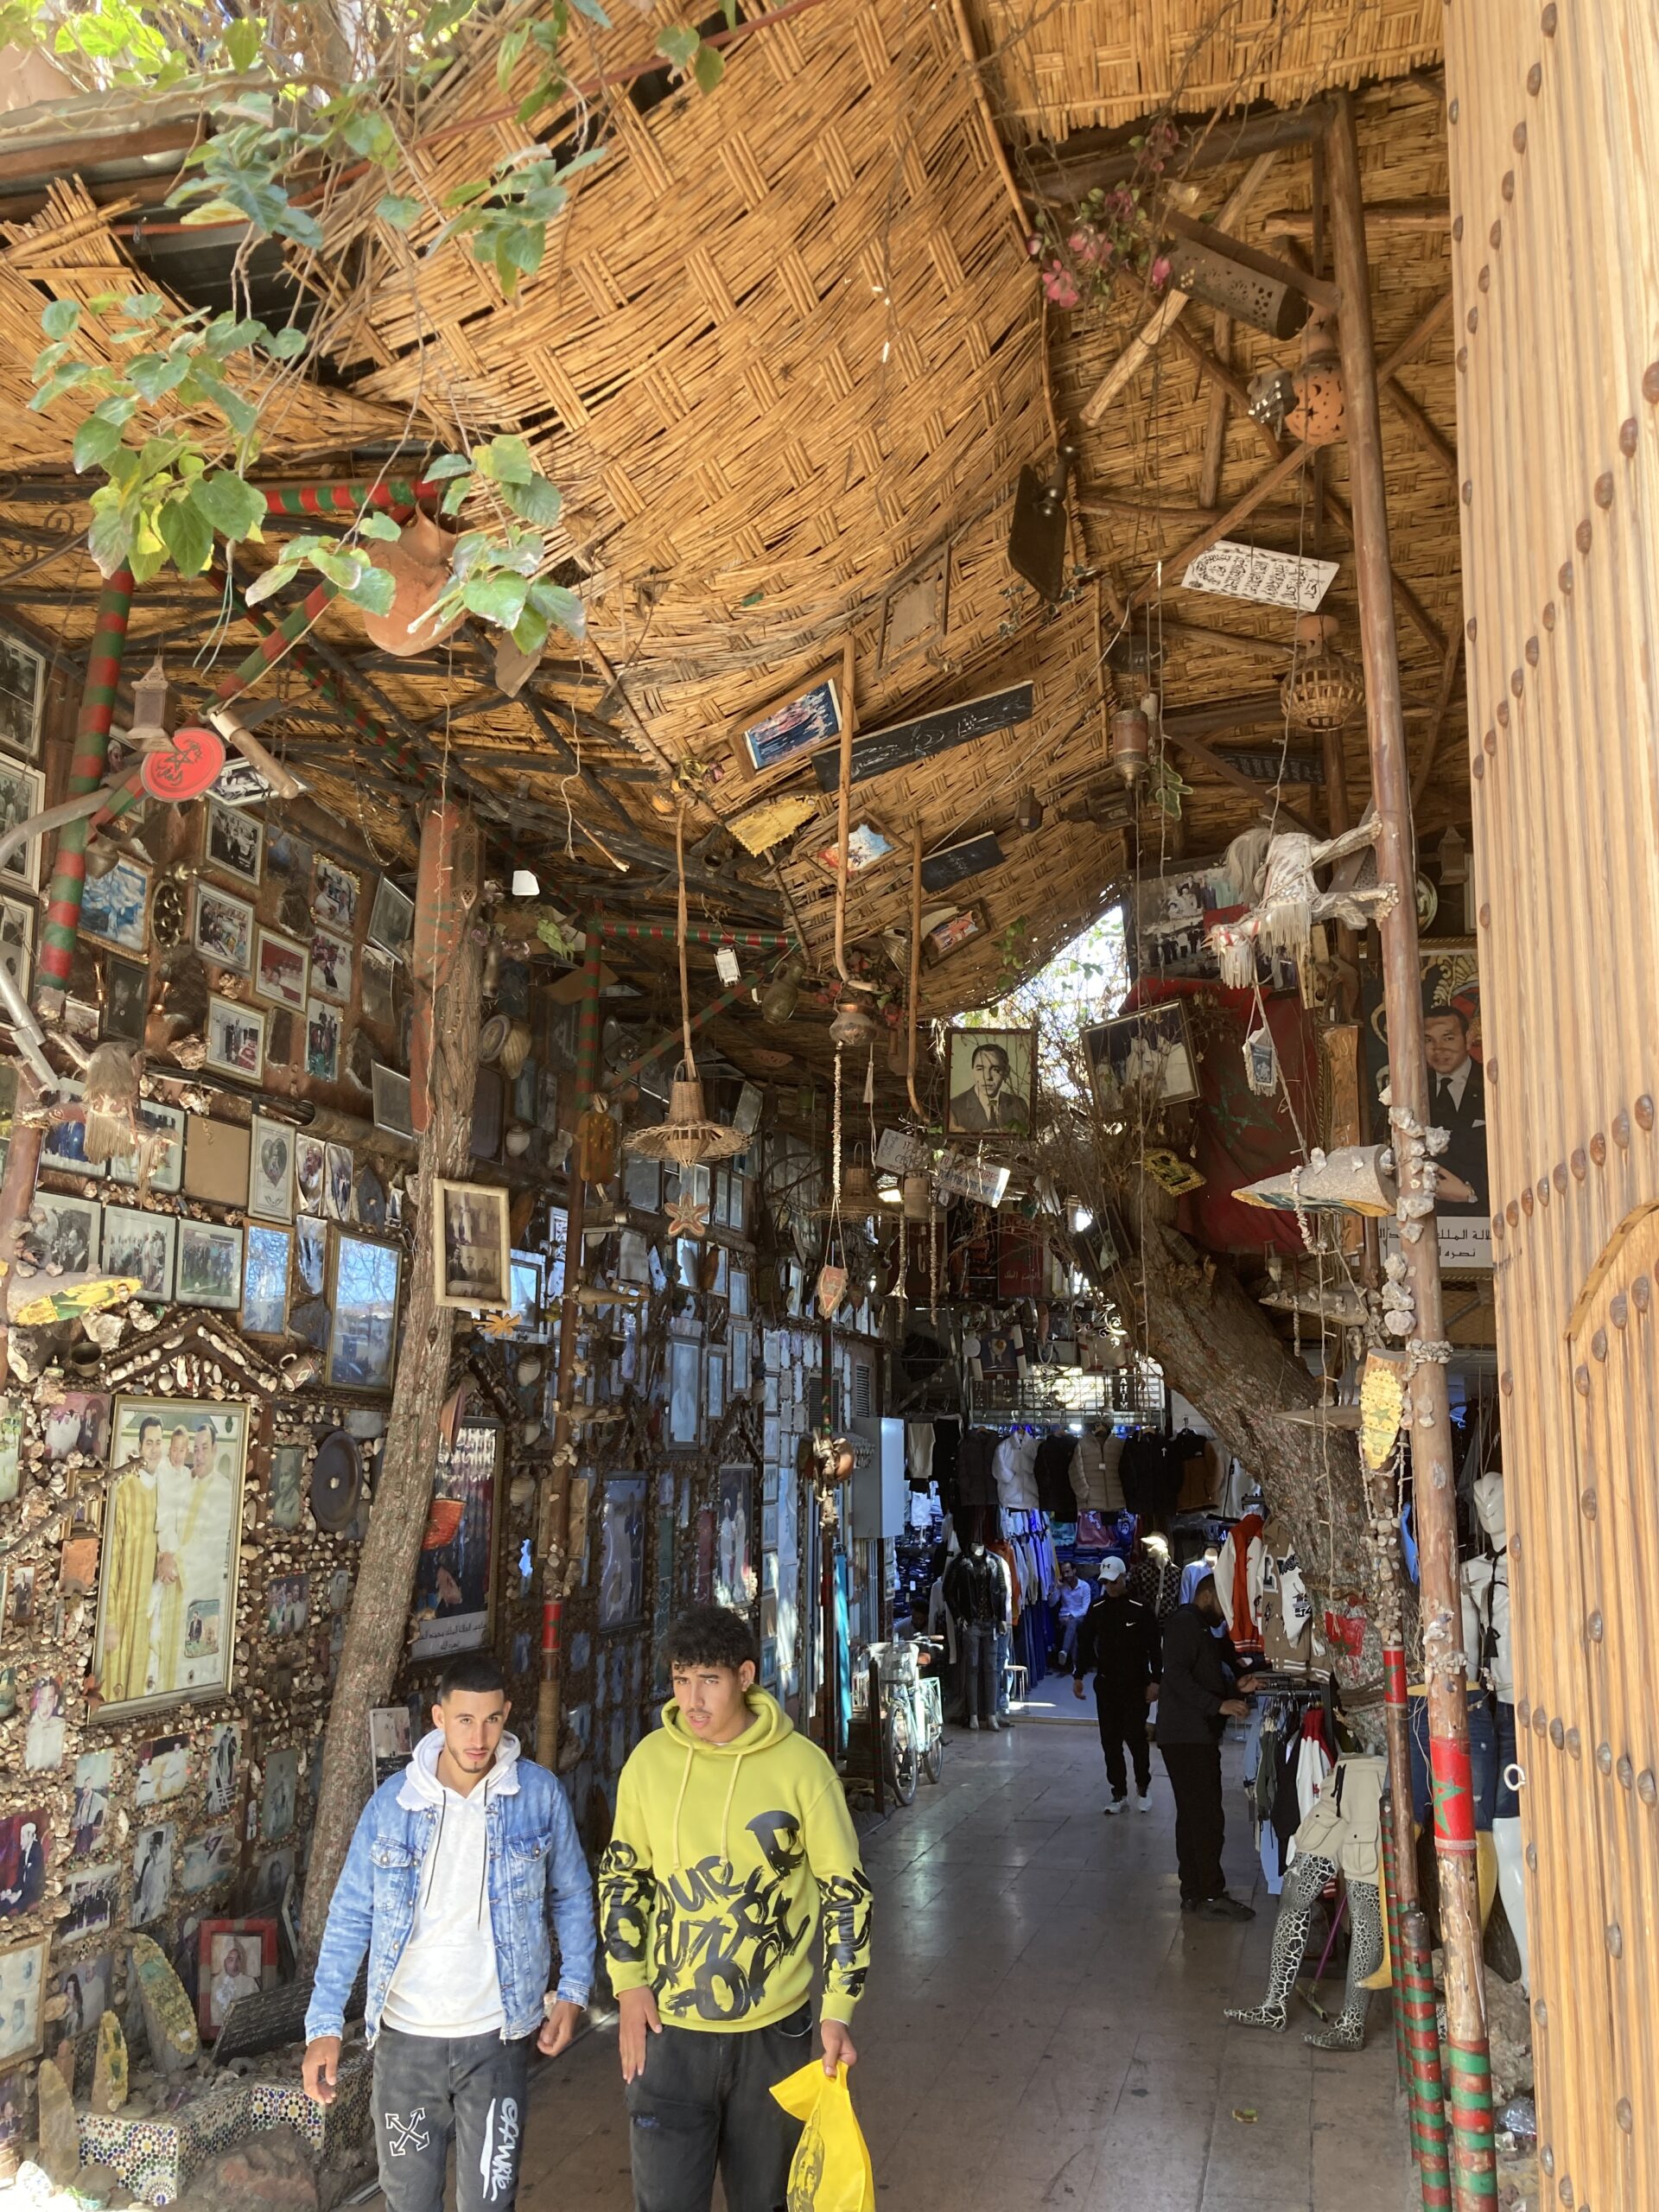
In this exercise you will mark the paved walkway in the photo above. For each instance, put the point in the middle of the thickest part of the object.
(1043, 2028)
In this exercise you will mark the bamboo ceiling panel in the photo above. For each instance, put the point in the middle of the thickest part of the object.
(786, 338)
(1054, 70)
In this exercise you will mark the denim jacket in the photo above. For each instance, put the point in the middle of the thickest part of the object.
(536, 1866)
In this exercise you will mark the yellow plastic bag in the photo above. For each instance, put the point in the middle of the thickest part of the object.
(830, 2170)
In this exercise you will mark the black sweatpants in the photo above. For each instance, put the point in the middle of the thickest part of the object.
(428, 2090)
(1200, 1821)
(1123, 1717)
(704, 2102)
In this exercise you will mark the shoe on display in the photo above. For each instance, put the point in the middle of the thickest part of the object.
(1225, 1908)
(1143, 1802)
(1118, 1805)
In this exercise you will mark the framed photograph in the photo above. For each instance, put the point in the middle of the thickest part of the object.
(210, 1265)
(22, 797)
(165, 1123)
(126, 1001)
(334, 894)
(391, 1741)
(264, 1281)
(67, 1235)
(793, 728)
(271, 1169)
(279, 1799)
(331, 966)
(622, 1552)
(87, 1994)
(281, 969)
(391, 918)
(736, 1581)
(178, 1466)
(17, 941)
(209, 1860)
(990, 1082)
(867, 846)
(63, 1144)
(454, 1577)
(337, 1188)
(714, 1383)
(79, 1421)
(152, 1873)
(322, 1027)
(142, 1244)
(684, 1391)
(392, 1109)
(224, 1762)
(642, 1183)
(284, 1489)
(224, 930)
(49, 1719)
(363, 1336)
(951, 935)
(471, 1251)
(22, 1983)
(237, 1958)
(22, 696)
(1149, 1052)
(236, 1038)
(526, 1269)
(288, 1604)
(92, 1897)
(311, 1173)
(93, 1772)
(378, 1003)
(163, 1770)
(232, 841)
(111, 904)
(310, 1254)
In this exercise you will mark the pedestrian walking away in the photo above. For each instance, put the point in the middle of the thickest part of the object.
(1196, 1698)
(456, 1866)
(1118, 1642)
(732, 1841)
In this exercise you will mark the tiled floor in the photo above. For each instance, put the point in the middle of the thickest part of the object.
(1044, 2030)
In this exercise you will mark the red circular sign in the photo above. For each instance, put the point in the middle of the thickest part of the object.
(187, 769)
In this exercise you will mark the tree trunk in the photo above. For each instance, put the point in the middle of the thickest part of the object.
(446, 962)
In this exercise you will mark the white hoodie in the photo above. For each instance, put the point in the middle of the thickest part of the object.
(445, 1983)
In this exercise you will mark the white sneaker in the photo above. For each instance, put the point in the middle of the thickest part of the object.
(1143, 1802)
(1118, 1805)
(973, 1724)
(993, 1722)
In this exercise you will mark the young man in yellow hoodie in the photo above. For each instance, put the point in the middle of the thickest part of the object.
(732, 1841)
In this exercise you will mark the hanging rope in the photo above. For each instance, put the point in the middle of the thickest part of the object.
(915, 966)
(680, 932)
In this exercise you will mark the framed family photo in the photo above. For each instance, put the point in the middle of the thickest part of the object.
(283, 967)
(1149, 1052)
(990, 1082)
(233, 842)
(471, 1246)
(224, 929)
(236, 1038)
(177, 1467)
(791, 728)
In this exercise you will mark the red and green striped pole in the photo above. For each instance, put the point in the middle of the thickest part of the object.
(347, 496)
(63, 923)
(1413, 1993)
(696, 933)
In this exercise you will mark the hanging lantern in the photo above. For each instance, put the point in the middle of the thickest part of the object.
(148, 730)
(858, 1188)
(782, 996)
(1028, 811)
(1324, 684)
(1454, 857)
(1317, 413)
(419, 567)
(856, 1021)
(1131, 745)
(690, 1135)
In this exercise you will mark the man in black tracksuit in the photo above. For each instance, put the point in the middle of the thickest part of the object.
(1118, 1638)
(1195, 1699)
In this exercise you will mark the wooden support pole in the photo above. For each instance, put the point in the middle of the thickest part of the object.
(1433, 1471)
(1426, 214)
(1215, 428)
(446, 965)
(1241, 509)
(556, 1505)
(17, 1189)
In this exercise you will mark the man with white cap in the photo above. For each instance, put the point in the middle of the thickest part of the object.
(1118, 1642)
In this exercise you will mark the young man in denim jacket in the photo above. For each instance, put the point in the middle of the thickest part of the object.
(454, 1869)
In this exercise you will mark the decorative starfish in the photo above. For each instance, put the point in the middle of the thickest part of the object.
(498, 1325)
(687, 1219)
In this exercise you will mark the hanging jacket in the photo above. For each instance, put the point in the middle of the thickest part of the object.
(1094, 1483)
(1053, 1478)
(1014, 1466)
(722, 1860)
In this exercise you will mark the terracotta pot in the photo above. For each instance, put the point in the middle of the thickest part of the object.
(419, 565)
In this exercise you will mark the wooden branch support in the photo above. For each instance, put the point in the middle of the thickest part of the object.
(1141, 347)
(446, 965)
(1425, 767)
(1218, 764)
(1429, 213)
(1240, 510)
(1433, 1467)
(1215, 428)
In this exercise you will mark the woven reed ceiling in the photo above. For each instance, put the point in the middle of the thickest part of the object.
(788, 353)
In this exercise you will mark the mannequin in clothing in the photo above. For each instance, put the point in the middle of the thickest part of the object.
(1487, 1645)
(977, 1595)
(1343, 1832)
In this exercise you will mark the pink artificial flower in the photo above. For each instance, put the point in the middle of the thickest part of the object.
(1060, 286)
(1035, 247)
(1159, 272)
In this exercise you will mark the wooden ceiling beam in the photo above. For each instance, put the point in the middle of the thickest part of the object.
(1427, 213)
(1218, 764)
(1063, 175)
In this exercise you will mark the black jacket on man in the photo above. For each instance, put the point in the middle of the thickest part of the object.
(1118, 1640)
(1195, 1680)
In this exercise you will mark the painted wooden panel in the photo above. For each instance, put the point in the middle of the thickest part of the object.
(1553, 120)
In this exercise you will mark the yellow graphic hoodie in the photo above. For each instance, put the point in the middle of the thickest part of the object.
(722, 1860)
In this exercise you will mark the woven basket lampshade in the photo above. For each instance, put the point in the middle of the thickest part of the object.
(1324, 684)
(688, 1135)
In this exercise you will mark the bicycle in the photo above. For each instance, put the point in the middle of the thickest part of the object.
(912, 1721)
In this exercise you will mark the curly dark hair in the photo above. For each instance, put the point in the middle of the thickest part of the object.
(710, 1636)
